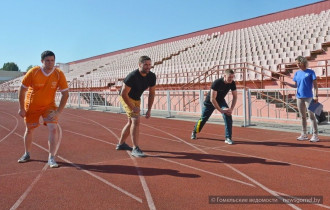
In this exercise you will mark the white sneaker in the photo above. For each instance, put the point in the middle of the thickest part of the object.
(24, 158)
(229, 141)
(314, 138)
(52, 163)
(302, 137)
(137, 152)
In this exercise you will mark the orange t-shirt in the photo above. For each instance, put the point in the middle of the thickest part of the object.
(43, 87)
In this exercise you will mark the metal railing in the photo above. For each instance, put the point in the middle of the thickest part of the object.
(252, 104)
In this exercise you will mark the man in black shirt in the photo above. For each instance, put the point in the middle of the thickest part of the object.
(216, 100)
(133, 87)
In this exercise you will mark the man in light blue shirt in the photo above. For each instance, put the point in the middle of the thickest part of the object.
(305, 80)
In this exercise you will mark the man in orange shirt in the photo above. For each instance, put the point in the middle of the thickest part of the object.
(37, 98)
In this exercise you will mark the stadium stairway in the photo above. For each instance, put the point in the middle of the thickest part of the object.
(98, 99)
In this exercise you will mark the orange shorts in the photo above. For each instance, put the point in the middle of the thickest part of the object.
(33, 115)
(128, 110)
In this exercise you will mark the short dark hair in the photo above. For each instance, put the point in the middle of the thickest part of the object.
(46, 53)
(302, 60)
(229, 71)
(144, 58)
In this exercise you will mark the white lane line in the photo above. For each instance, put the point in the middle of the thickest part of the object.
(321, 205)
(248, 155)
(279, 161)
(250, 140)
(142, 179)
(79, 134)
(192, 145)
(103, 180)
(159, 137)
(319, 150)
(291, 205)
(113, 133)
(20, 173)
(253, 140)
(272, 192)
(198, 169)
(60, 138)
(281, 142)
(11, 131)
(145, 187)
(29, 189)
(205, 171)
(79, 122)
(116, 136)
(231, 167)
(91, 174)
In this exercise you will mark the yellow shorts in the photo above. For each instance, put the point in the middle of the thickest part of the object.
(128, 110)
(33, 115)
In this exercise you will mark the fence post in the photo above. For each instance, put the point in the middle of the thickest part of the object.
(244, 107)
(105, 100)
(168, 99)
(91, 100)
(201, 100)
(249, 107)
(78, 100)
(287, 102)
(70, 102)
(326, 73)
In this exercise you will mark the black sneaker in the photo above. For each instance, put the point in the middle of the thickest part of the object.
(136, 152)
(123, 146)
(193, 135)
(24, 158)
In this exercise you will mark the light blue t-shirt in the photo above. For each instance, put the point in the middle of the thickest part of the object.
(304, 80)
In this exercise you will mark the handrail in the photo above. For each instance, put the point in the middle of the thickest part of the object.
(279, 100)
(326, 67)
(243, 66)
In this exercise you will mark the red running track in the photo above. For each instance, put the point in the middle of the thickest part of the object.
(178, 173)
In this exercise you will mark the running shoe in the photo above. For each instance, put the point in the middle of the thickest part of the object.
(24, 158)
(137, 152)
(123, 146)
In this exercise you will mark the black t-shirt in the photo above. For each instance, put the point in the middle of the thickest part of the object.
(138, 83)
(222, 88)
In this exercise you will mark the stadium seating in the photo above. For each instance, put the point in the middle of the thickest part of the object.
(263, 48)
(266, 45)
